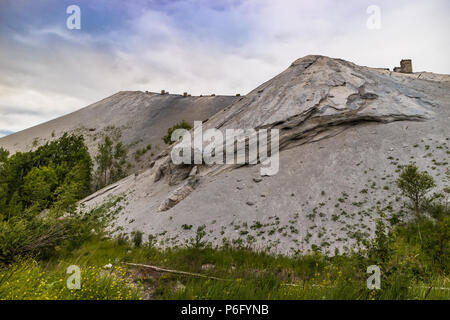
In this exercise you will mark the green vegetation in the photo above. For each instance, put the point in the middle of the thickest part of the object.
(42, 233)
(408, 269)
(55, 175)
(181, 125)
(408, 272)
(33, 257)
(30, 280)
(137, 237)
(39, 191)
(110, 161)
(140, 152)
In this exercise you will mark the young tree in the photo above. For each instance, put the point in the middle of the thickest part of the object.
(104, 160)
(4, 154)
(110, 160)
(415, 185)
(119, 161)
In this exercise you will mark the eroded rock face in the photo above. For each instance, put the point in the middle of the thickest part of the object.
(181, 192)
(317, 92)
(315, 98)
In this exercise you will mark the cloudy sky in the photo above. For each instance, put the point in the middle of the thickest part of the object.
(199, 46)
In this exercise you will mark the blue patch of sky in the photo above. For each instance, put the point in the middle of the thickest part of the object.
(5, 132)
(209, 20)
(97, 17)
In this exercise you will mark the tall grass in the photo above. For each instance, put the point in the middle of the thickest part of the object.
(247, 275)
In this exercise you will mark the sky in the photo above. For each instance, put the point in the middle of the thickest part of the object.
(198, 46)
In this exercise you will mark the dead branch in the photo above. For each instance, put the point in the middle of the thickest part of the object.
(173, 271)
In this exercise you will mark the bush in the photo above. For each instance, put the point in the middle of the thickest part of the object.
(29, 180)
(137, 238)
(21, 237)
(40, 236)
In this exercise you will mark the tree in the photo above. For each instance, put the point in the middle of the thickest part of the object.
(110, 160)
(119, 161)
(104, 160)
(28, 180)
(54, 176)
(38, 187)
(415, 185)
(4, 154)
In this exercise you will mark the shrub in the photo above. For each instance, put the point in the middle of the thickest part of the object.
(415, 185)
(181, 125)
(198, 241)
(40, 236)
(137, 238)
(21, 237)
(380, 250)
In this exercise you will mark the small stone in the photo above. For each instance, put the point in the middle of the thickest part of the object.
(193, 172)
(208, 266)
(250, 203)
(257, 180)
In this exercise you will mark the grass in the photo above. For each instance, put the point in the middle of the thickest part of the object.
(248, 275)
(30, 280)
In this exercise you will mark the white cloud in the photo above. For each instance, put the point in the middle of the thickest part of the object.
(53, 71)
